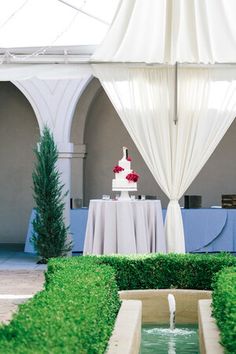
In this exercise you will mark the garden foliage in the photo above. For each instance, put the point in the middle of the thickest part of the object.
(159, 271)
(50, 233)
(75, 314)
(224, 307)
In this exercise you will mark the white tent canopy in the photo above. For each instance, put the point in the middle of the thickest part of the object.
(48, 23)
(172, 123)
(35, 34)
(144, 35)
(169, 31)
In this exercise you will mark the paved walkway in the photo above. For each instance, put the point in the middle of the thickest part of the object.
(20, 279)
(12, 260)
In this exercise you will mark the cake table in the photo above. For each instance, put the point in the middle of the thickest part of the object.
(124, 227)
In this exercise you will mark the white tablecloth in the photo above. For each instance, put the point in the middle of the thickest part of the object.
(124, 227)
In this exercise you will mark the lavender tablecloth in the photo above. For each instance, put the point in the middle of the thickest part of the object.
(124, 227)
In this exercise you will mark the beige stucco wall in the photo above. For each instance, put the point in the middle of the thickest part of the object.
(155, 307)
(105, 135)
(19, 133)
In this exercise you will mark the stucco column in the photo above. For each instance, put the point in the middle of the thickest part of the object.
(65, 151)
(78, 156)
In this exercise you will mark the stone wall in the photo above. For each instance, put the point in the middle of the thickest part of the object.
(19, 133)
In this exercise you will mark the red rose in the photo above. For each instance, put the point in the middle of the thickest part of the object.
(129, 159)
(132, 177)
(117, 169)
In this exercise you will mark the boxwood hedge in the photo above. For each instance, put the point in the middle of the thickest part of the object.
(75, 314)
(189, 271)
(224, 307)
(77, 310)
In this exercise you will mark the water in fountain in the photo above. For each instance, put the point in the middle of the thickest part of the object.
(162, 339)
(172, 309)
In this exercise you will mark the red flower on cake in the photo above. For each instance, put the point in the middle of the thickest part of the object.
(129, 159)
(117, 169)
(132, 177)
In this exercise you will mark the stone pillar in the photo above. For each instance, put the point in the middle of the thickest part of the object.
(77, 190)
(65, 151)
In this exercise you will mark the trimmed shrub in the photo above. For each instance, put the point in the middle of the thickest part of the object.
(224, 307)
(188, 271)
(50, 233)
(158, 271)
(75, 314)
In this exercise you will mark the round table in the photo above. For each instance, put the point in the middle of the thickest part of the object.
(124, 227)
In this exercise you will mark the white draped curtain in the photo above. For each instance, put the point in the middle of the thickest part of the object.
(169, 31)
(143, 96)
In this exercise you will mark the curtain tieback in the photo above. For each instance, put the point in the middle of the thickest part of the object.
(174, 200)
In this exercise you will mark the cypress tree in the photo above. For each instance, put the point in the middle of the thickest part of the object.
(49, 235)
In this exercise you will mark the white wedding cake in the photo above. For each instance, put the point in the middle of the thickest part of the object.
(125, 178)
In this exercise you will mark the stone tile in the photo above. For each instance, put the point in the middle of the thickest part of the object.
(16, 266)
(17, 282)
(12, 260)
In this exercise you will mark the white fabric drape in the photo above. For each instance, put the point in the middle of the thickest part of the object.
(169, 31)
(143, 98)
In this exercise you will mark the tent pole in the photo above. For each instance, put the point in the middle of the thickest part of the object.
(176, 95)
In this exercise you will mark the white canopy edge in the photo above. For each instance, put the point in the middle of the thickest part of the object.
(70, 62)
(58, 69)
(10, 72)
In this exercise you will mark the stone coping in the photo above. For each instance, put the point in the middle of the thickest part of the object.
(155, 304)
(209, 335)
(151, 306)
(126, 336)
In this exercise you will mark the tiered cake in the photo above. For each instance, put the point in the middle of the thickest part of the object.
(125, 178)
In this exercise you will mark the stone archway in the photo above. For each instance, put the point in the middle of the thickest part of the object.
(90, 92)
(19, 133)
(95, 119)
(101, 132)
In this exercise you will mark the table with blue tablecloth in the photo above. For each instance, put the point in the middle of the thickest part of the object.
(209, 230)
(206, 230)
(78, 222)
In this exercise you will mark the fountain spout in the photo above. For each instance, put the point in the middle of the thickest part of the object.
(172, 309)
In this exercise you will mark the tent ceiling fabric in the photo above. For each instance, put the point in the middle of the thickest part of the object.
(169, 31)
(46, 23)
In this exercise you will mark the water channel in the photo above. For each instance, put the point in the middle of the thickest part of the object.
(163, 340)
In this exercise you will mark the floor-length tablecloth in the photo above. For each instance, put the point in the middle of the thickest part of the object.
(124, 227)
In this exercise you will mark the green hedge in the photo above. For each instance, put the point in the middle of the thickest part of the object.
(188, 271)
(75, 314)
(77, 310)
(224, 307)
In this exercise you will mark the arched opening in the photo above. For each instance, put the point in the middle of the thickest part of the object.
(19, 133)
(105, 135)
(97, 127)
